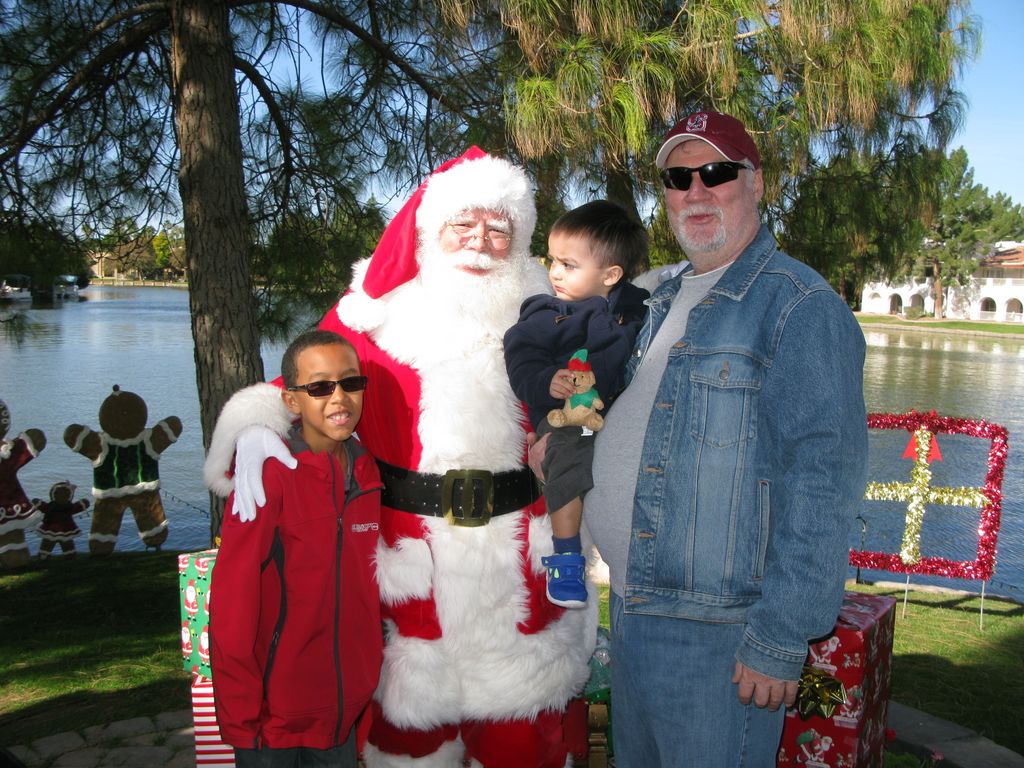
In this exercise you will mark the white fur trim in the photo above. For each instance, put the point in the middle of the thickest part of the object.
(489, 182)
(483, 667)
(259, 404)
(421, 668)
(448, 756)
(537, 279)
(404, 571)
(357, 310)
(651, 279)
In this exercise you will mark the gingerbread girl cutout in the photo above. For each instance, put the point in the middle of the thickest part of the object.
(16, 511)
(59, 526)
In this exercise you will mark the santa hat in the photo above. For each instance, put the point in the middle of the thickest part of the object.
(473, 180)
(578, 361)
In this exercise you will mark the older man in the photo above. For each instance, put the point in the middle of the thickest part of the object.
(727, 474)
(478, 664)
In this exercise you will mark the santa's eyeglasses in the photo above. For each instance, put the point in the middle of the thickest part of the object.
(326, 388)
(711, 174)
(466, 231)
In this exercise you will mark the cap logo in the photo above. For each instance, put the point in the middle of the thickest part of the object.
(697, 123)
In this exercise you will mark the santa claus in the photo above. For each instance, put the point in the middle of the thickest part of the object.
(478, 664)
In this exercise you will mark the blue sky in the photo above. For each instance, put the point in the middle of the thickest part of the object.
(993, 86)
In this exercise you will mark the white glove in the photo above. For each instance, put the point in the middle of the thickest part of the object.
(254, 446)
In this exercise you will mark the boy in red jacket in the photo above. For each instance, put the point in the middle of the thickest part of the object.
(295, 621)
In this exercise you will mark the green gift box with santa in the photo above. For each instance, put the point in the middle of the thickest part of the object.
(194, 572)
(847, 731)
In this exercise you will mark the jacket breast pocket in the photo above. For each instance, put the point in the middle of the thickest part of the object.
(724, 398)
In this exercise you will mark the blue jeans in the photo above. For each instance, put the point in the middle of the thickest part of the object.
(673, 702)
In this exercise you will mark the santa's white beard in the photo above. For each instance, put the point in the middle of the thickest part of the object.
(490, 300)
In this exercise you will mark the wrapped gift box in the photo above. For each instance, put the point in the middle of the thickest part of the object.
(211, 751)
(587, 721)
(858, 653)
(194, 571)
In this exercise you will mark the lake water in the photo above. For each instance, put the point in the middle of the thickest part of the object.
(140, 339)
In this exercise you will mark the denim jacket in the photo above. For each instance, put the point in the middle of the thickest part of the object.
(754, 461)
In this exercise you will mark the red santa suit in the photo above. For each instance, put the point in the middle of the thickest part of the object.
(478, 664)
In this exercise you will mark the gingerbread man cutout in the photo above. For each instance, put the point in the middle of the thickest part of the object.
(125, 457)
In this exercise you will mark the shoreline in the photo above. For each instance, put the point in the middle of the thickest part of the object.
(913, 326)
(937, 327)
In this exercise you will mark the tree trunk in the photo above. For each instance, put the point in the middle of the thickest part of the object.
(937, 286)
(620, 190)
(217, 232)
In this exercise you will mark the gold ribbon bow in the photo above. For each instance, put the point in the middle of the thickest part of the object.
(818, 693)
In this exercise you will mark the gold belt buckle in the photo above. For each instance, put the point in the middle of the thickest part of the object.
(469, 516)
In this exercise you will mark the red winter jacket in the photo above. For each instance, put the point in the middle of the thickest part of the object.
(295, 627)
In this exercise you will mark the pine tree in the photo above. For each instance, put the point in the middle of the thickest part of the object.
(957, 235)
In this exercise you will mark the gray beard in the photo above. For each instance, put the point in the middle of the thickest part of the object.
(691, 246)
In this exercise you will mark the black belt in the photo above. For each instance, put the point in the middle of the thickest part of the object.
(466, 497)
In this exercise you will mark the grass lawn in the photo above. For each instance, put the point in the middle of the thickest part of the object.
(928, 323)
(946, 666)
(94, 640)
(89, 641)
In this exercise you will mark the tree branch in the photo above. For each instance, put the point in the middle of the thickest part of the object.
(378, 45)
(139, 10)
(30, 124)
(283, 129)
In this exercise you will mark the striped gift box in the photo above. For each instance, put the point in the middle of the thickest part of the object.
(211, 751)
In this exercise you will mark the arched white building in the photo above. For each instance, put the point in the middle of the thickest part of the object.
(995, 292)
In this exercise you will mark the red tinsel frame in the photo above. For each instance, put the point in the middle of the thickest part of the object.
(988, 527)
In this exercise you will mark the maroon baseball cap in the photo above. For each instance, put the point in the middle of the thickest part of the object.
(723, 132)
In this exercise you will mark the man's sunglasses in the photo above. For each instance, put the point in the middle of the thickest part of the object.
(326, 388)
(711, 174)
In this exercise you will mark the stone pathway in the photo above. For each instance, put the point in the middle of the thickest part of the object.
(168, 741)
(164, 741)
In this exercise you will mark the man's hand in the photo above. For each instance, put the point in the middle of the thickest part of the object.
(763, 690)
(536, 453)
(562, 384)
(255, 445)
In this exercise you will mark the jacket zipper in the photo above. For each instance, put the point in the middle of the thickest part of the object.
(353, 494)
(337, 597)
(276, 556)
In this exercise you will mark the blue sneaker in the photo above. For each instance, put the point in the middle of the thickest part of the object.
(565, 579)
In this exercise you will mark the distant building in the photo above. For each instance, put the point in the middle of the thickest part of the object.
(995, 291)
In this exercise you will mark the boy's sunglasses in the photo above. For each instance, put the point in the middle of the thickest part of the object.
(326, 388)
(711, 174)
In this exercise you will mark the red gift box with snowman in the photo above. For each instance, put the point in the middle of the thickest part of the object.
(858, 653)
